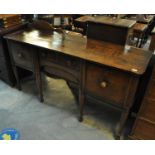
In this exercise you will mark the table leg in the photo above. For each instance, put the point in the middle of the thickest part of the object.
(38, 76)
(82, 90)
(121, 124)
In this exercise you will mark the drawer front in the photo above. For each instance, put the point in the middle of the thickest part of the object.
(60, 65)
(48, 57)
(22, 54)
(144, 130)
(148, 110)
(111, 85)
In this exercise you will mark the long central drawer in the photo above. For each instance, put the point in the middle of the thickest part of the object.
(60, 65)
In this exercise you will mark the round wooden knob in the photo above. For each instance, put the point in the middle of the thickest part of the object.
(103, 84)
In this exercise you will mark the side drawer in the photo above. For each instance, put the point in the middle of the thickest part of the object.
(144, 130)
(22, 54)
(108, 84)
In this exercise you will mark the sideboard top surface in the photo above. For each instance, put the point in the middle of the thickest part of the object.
(74, 44)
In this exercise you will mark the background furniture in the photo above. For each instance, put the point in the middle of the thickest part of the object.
(139, 30)
(109, 29)
(152, 43)
(6, 73)
(144, 126)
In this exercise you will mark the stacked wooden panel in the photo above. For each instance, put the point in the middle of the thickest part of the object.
(10, 20)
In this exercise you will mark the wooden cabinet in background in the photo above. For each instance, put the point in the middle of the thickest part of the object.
(144, 126)
(152, 44)
(6, 73)
(110, 29)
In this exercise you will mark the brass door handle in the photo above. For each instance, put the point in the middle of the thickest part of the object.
(103, 84)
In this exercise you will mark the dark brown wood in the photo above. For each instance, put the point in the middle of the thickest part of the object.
(152, 44)
(138, 32)
(106, 71)
(6, 72)
(144, 126)
(107, 83)
(75, 45)
(110, 29)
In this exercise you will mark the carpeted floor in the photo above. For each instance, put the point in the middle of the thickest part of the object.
(56, 118)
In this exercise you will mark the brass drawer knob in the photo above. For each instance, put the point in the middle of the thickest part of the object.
(103, 84)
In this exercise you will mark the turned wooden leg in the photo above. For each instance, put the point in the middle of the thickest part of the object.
(121, 124)
(15, 70)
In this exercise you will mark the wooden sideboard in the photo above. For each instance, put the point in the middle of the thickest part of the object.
(6, 73)
(106, 71)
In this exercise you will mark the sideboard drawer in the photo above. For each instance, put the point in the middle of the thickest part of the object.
(48, 58)
(109, 84)
(22, 55)
(60, 65)
(144, 130)
(69, 62)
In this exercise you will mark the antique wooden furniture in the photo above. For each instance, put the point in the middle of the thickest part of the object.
(6, 73)
(138, 32)
(152, 44)
(144, 126)
(150, 21)
(103, 70)
(109, 29)
(81, 22)
(10, 20)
